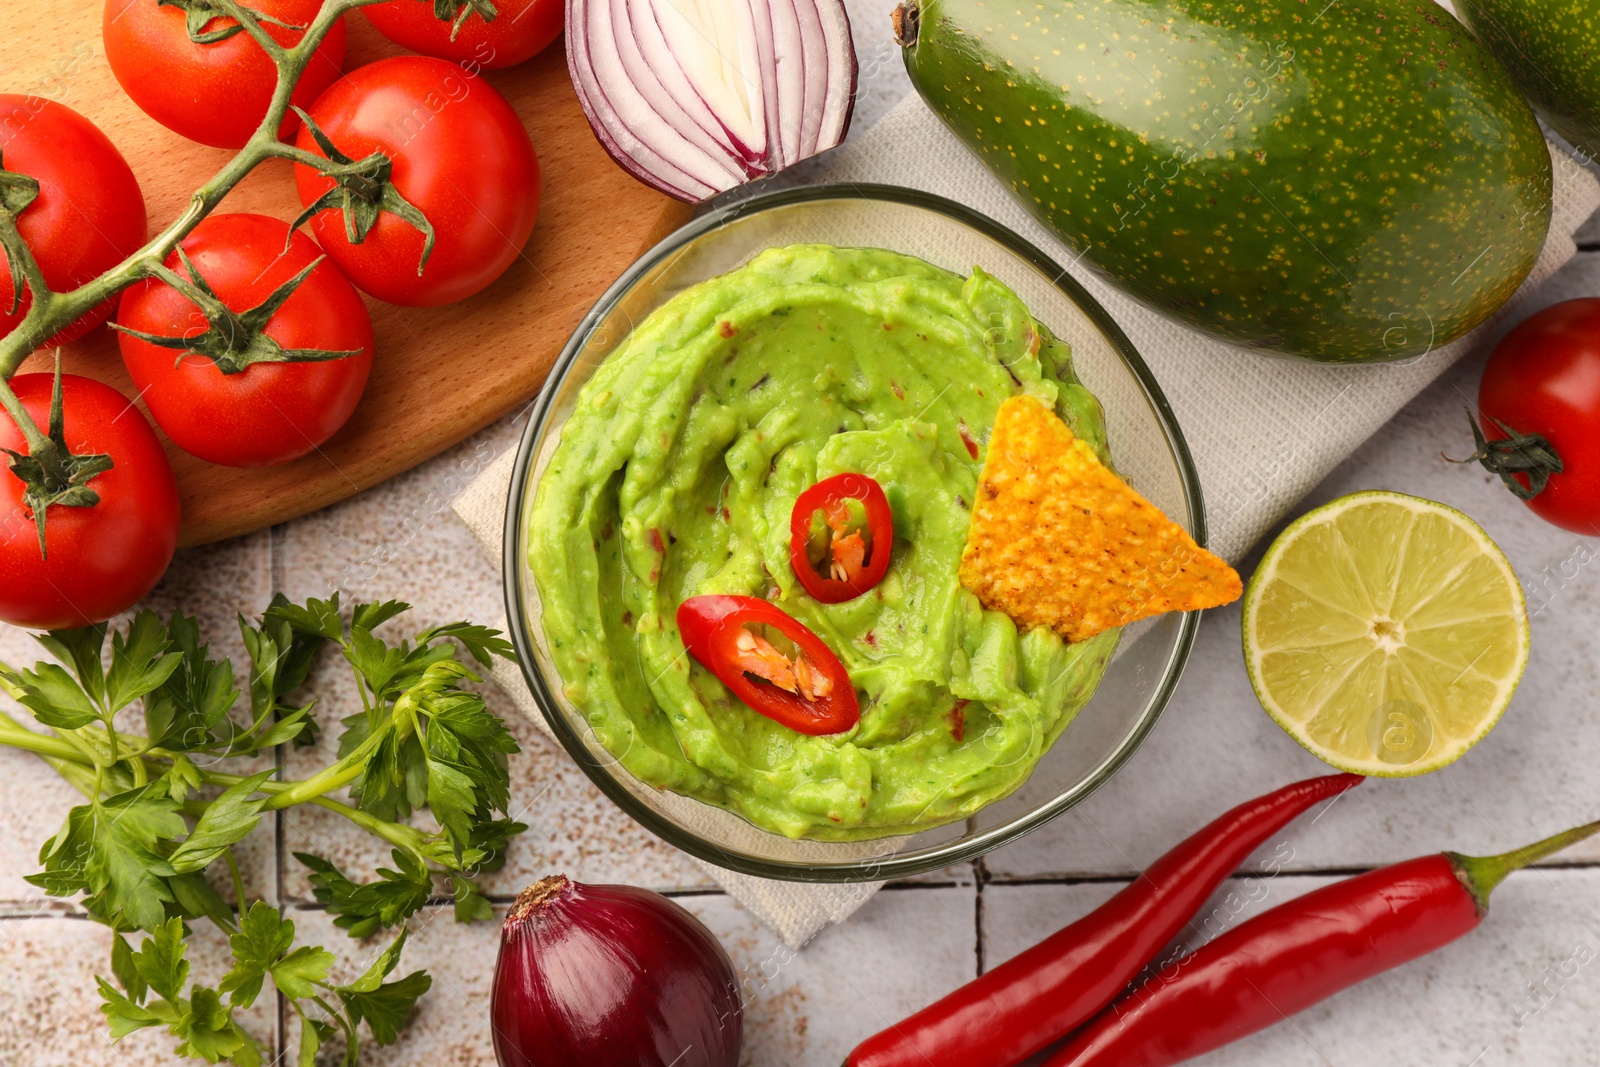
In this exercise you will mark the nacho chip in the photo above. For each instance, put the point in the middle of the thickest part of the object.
(1058, 540)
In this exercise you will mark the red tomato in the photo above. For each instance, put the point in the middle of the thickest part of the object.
(520, 30)
(1544, 379)
(268, 412)
(104, 557)
(89, 215)
(460, 155)
(216, 94)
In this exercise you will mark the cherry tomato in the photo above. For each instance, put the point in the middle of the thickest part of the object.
(89, 214)
(853, 563)
(217, 93)
(104, 557)
(268, 412)
(1544, 380)
(520, 30)
(460, 155)
(808, 690)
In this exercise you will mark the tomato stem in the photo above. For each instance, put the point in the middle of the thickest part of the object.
(30, 429)
(233, 340)
(1514, 457)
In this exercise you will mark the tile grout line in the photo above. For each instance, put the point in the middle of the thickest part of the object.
(1243, 875)
(275, 538)
(980, 875)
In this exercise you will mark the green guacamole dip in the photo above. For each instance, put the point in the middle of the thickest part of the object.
(675, 477)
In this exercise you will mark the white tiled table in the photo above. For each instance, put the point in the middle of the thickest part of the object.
(1507, 995)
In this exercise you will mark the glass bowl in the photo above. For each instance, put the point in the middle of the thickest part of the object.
(1146, 445)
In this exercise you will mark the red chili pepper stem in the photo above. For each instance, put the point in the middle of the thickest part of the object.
(1481, 874)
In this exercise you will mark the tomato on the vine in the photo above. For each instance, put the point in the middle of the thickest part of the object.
(1539, 412)
(102, 557)
(231, 399)
(78, 205)
(215, 90)
(519, 30)
(459, 154)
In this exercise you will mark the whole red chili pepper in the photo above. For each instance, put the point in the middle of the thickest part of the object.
(853, 564)
(1289, 958)
(809, 692)
(1013, 1011)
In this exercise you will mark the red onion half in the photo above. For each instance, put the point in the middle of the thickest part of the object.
(696, 96)
(611, 976)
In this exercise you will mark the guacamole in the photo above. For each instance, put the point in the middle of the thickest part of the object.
(676, 474)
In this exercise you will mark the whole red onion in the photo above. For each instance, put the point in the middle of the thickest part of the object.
(611, 976)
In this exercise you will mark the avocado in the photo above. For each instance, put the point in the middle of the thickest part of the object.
(1552, 49)
(1341, 180)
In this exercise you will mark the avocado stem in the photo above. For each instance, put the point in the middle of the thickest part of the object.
(906, 18)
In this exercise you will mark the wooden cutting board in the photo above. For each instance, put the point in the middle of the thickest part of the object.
(438, 374)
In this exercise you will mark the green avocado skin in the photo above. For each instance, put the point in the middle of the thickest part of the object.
(1349, 181)
(1552, 48)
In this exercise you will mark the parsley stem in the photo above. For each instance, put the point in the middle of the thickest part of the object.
(238, 881)
(77, 775)
(111, 742)
(16, 735)
(333, 777)
(361, 687)
(397, 834)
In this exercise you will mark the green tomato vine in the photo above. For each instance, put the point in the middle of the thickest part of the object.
(362, 190)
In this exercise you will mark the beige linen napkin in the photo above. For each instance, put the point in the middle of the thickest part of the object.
(1263, 431)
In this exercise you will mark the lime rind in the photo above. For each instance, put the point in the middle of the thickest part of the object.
(1340, 574)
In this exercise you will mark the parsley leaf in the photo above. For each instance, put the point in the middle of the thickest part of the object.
(123, 870)
(319, 617)
(124, 1015)
(54, 697)
(371, 616)
(470, 903)
(126, 971)
(140, 848)
(261, 948)
(209, 1033)
(227, 820)
(182, 778)
(377, 662)
(161, 961)
(81, 650)
(363, 908)
(384, 1005)
(298, 972)
(140, 662)
(481, 641)
(386, 1008)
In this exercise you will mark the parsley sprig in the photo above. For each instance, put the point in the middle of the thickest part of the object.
(162, 813)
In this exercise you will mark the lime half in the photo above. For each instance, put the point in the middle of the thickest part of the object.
(1385, 633)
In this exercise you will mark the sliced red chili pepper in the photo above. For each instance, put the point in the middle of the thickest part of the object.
(809, 692)
(853, 564)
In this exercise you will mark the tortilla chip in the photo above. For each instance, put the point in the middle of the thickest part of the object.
(1058, 540)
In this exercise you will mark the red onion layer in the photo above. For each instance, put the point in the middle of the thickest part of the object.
(693, 97)
(611, 976)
